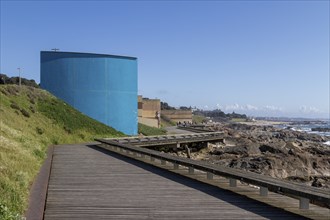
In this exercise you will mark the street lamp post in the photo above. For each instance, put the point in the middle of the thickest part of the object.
(19, 76)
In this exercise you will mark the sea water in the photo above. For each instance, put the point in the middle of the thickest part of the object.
(306, 126)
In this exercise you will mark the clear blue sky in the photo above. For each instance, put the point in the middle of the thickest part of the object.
(254, 57)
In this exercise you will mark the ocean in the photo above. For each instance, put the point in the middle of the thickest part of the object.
(307, 126)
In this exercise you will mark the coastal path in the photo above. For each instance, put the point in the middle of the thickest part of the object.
(93, 181)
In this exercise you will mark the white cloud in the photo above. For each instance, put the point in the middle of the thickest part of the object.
(269, 110)
(251, 107)
(218, 106)
(272, 108)
(308, 109)
(232, 107)
(235, 107)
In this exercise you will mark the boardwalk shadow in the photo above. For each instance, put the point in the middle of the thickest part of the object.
(240, 201)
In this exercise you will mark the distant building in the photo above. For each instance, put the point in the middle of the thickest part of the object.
(101, 86)
(149, 111)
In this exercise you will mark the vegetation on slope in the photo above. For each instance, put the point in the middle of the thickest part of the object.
(166, 122)
(148, 131)
(199, 119)
(31, 120)
(217, 113)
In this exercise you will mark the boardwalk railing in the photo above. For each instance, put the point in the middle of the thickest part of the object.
(171, 139)
(303, 192)
(197, 129)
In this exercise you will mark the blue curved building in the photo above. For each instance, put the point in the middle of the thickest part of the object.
(101, 86)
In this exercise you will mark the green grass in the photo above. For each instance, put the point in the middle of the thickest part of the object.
(30, 120)
(72, 120)
(148, 131)
(238, 120)
(166, 122)
(198, 119)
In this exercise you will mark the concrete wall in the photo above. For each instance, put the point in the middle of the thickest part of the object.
(140, 106)
(104, 87)
(147, 111)
(149, 121)
(178, 115)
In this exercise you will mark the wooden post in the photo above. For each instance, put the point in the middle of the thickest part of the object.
(163, 162)
(191, 170)
(232, 182)
(175, 166)
(152, 159)
(187, 151)
(263, 191)
(176, 147)
(209, 176)
(303, 203)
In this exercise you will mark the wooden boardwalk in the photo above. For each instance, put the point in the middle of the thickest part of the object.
(89, 183)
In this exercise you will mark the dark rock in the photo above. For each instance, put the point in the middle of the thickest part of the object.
(315, 165)
(217, 152)
(320, 129)
(291, 152)
(243, 151)
(318, 151)
(317, 183)
(264, 148)
(280, 153)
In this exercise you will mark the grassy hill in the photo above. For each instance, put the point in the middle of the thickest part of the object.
(147, 130)
(31, 119)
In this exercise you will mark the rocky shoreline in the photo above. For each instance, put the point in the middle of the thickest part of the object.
(279, 153)
(321, 129)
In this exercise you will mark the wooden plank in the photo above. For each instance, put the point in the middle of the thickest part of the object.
(87, 183)
(273, 199)
(151, 140)
(275, 185)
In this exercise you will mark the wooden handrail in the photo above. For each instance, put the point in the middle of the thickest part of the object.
(272, 184)
(170, 140)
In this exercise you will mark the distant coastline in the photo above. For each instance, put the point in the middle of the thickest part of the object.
(311, 126)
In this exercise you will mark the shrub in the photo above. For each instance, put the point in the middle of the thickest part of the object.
(4, 92)
(147, 130)
(32, 101)
(39, 130)
(32, 109)
(13, 90)
(25, 113)
(167, 119)
(39, 153)
(14, 106)
(6, 213)
(54, 141)
(68, 130)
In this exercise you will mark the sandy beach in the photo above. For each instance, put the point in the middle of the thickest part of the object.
(263, 123)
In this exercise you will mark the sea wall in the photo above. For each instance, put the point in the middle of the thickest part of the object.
(178, 115)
